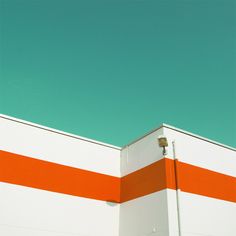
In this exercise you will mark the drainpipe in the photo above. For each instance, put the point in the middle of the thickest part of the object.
(178, 190)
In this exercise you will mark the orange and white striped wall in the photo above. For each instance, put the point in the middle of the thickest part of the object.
(54, 183)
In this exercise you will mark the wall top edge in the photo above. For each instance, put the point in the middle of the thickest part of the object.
(163, 125)
(57, 131)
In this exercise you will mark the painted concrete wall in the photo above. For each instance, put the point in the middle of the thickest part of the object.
(29, 211)
(200, 152)
(202, 215)
(59, 148)
(141, 153)
(147, 215)
(198, 214)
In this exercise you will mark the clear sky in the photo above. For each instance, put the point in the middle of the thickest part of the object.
(111, 70)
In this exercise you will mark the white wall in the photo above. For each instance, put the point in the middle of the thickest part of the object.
(141, 153)
(147, 215)
(201, 215)
(206, 216)
(28, 211)
(198, 152)
(58, 148)
(198, 215)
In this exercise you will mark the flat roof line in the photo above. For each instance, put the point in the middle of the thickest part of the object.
(143, 136)
(198, 136)
(57, 131)
(109, 145)
(181, 131)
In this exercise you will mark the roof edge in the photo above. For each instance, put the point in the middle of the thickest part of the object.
(198, 136)
(143, 136)
(57, 131)
(164, 125)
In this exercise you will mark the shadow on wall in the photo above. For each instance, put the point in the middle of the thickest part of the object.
(111, 203)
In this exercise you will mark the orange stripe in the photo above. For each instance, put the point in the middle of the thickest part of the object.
(150, 179)
(197, 180)
(26, 171)
(30, 172)
(191, 179)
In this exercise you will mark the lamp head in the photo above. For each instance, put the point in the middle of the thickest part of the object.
(162, 140)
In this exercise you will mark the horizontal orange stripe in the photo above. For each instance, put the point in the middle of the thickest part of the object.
(26, 171)
(30, 172)
(191, 179)
(197, 180)
(150, 179)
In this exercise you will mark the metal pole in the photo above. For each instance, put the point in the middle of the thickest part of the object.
(177, 187)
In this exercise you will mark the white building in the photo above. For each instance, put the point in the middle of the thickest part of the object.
(58, 184)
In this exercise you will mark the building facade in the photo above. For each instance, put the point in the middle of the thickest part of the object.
(54, 183)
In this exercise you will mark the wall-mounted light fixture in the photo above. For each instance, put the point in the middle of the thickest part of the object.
(162, 140)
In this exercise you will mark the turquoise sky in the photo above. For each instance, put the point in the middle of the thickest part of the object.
(112, 70)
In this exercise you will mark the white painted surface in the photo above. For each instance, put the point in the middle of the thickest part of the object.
(156, 213)
(32, 212)
(200, 215)
(173, 219)
(207, 216)
(58, 131)
(145, 216)
(50, 146)
(141, 153)
(195, 151)
(27, 211)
